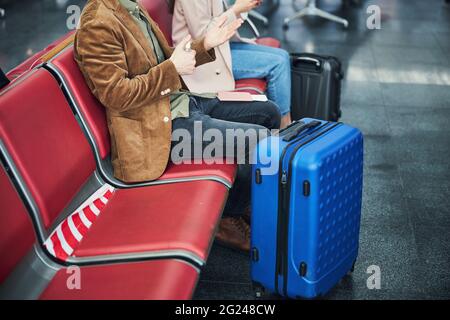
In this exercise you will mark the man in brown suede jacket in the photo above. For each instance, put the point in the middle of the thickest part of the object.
(135, 74)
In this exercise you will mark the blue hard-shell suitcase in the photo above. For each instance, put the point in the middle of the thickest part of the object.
(306, 216)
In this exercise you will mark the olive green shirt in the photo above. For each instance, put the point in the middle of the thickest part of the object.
(179, 101)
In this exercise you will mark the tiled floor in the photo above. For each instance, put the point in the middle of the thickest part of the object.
(397, 90)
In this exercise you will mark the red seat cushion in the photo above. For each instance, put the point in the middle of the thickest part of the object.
(270, 42)
(153, 280)
(179, 216)
(16, 231)
(246, 84)
(45, 142)
(224, 171)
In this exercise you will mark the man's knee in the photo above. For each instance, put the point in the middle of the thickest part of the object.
(271, 114)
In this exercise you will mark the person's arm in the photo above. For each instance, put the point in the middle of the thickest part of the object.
(199, 18)
(105, 63)
(203, 54)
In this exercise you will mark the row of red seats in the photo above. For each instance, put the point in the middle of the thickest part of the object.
(144, 241)
(49, 160)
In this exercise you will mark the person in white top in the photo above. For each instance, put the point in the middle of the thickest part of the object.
(240, 58)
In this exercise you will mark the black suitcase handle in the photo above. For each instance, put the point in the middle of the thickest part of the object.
(292, 135)
(310, 60)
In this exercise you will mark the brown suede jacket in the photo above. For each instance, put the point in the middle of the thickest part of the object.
(122, 71)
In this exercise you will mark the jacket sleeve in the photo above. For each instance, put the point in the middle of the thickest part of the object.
(198, 17)
(202, 56)
(100, 55)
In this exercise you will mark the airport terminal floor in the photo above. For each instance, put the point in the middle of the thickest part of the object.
(396, 90)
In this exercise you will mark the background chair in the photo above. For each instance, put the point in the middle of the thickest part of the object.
(273, 4)
(311, 10)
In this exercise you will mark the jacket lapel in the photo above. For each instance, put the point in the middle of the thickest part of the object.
(123, 15)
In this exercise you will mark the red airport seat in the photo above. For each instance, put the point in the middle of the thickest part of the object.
(55, 161)
(41, 56)
(55, 164)
(269, 42)
(180, 217)
(156, 279)
(94, 115)
(255, 86)
(150, 280)
(16, 231)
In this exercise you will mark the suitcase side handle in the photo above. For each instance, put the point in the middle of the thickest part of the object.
(292, 135)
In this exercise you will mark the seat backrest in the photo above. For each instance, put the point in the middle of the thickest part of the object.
(92, 110)
(41, 56)
(160, 12)
(16, 231)
(45, 142)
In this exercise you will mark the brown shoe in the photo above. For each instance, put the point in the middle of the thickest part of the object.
(234, 233)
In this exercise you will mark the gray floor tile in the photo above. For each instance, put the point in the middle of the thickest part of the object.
(415, 95)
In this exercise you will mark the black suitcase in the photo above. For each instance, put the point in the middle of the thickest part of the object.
(316, 87)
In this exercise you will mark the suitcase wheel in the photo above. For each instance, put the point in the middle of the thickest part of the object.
(339, 75)
(352, 269)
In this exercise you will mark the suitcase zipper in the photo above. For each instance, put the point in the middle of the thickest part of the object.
(283, 219)
(283, 179)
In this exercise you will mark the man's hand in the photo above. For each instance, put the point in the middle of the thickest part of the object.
(221, 33)
(183, 57)
(241, 6)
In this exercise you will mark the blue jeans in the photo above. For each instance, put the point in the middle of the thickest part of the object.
(256, 61)
(221, 116)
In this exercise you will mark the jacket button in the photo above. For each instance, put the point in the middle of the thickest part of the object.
(166, 119)
(218, 72)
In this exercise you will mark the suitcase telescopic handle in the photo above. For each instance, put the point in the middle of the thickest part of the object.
(292, 135)
(308, 60)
